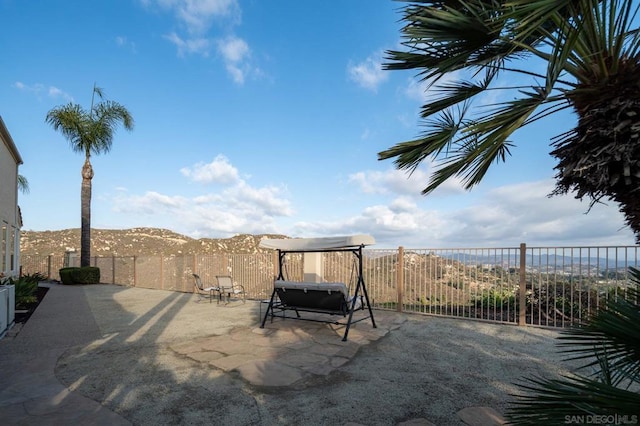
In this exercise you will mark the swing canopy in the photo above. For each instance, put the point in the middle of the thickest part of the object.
(320, 298)
(318, 244)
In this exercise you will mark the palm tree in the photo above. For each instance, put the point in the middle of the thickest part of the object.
(610, 343)
(89, 132)
(23, 184)
(591, 52)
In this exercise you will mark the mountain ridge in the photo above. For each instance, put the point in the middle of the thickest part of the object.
(136, 242)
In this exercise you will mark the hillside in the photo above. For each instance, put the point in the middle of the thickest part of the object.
(135, 242)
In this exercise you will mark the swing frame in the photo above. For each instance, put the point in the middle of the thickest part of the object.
(322, 298)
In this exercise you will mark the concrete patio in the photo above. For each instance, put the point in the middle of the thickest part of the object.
(107, 354)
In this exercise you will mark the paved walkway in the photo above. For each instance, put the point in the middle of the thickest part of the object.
(30, 394)
(285, 353)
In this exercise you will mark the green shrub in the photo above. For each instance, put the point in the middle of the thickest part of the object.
(25, 288)
(456, 284)
(65, 275)
(34, 278)
(82, 275)
(495, 299)
(566, 300)
(87, 275)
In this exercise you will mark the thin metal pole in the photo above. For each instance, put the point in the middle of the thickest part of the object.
(400, 278)
(522, 287)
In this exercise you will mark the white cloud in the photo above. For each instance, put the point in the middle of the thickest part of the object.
(197, 15)
(151, 203)
(54, 92)
(395, 215)
(217, 171)
(233, 49)
(394, 181)
(368, 73)
(416, 90)
(265, 200)
(401, 222)
(34, 88)
(237, 208)
(200, 45)
(235, 52)
(38, 89)
(124, 42)
(505, 217)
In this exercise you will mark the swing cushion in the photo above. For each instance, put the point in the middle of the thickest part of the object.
(324, 296)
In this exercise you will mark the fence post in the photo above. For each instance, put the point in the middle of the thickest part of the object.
(400, 277)
(224, 264)
(49, 267)
(522, 287)
(276, 264)
(135, 272)
(113, 269)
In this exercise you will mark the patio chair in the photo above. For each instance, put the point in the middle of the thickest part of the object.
(204, 292)
(228, 287)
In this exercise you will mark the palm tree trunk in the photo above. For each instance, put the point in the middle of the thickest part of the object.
(601, 157)
(85, 214)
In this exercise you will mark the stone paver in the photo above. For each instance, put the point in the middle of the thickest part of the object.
(284, 352)
(270, 373)
(481, 416)
(416, 422)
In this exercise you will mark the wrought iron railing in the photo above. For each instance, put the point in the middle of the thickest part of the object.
(560, 286)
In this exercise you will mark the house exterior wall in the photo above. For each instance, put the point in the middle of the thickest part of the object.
(10, 221)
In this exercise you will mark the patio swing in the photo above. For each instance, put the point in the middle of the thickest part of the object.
(320, 297)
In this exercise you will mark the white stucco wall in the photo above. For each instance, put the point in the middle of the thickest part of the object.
(313, 269)
(9, 218)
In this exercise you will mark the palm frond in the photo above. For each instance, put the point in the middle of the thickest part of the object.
(90, 131)
(612, 332)
(442, 133)
(470, 161)
(23, 184)
(443, 37)
(71, 120)
(452, 94)
(591, 49)
(107, 115)
(609, 342)
(486, 141)
(446, 36)
(552, 401)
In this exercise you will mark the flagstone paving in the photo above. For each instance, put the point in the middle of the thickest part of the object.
(285, 352)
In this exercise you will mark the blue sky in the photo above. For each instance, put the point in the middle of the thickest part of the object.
(259, 117)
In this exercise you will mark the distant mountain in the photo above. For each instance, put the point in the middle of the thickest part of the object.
(136, 242)
(602, 259)
(155, 241)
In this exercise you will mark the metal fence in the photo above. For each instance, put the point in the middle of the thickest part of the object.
(561, 285)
